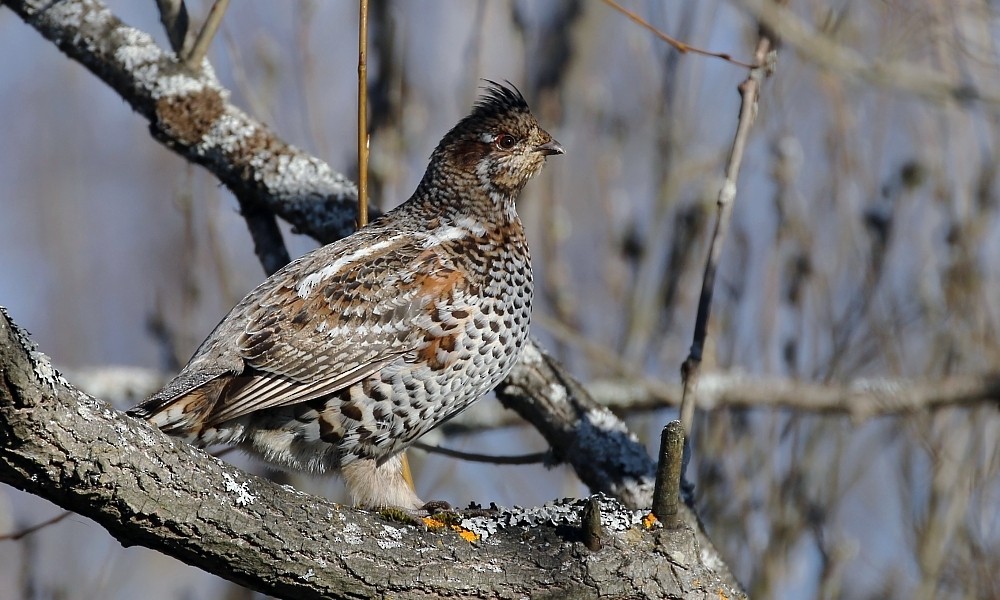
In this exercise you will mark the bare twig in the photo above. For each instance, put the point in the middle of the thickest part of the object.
(16, 535)
(363, 115)
(200, 47)
(667, 492)
(749, 90)
(533, 458)
(677, 44)
(363, 154)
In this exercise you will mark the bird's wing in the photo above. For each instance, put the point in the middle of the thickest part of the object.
(339, 315)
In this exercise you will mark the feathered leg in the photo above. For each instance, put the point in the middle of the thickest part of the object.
(373, 485)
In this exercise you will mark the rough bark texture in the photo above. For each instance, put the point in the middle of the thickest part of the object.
(605, 455)
(148, 489)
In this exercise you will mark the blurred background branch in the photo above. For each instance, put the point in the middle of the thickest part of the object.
(860, 399)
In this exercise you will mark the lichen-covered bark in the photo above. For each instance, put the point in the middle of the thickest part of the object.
(605, 455)
(190, 113)
(148, 489)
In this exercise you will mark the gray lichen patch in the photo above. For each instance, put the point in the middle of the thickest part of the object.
(40, 362)
(240, 491)
(615, 517)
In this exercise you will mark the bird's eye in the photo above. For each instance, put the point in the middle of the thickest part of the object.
(505, 141)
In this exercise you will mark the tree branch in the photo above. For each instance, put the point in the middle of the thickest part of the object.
(148, 489)
(204, 40)
(599, 447)
(749, 96)
(174, 18)
(859, 399)
(190, 113)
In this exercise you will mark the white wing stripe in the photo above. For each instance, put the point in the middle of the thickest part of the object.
(309, 283)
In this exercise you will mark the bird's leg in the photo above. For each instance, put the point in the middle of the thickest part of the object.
(375, 486)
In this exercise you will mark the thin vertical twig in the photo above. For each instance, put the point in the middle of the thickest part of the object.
(200, 47)
(363, 155)
(749, 92)
(363, 115)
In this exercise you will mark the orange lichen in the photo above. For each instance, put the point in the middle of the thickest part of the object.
(469, 536)
(465, 534)
(649, 521)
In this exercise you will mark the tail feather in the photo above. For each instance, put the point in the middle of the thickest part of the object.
(182, 408)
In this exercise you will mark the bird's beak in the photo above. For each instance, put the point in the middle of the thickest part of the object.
(550, 147)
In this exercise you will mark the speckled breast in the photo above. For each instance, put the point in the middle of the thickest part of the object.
(466, 345)
(482, 332)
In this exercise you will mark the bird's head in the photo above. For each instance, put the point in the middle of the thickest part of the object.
(499, 144)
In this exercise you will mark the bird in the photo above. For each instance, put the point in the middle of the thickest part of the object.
(345, 356)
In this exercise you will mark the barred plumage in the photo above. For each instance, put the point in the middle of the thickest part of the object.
(346, 355)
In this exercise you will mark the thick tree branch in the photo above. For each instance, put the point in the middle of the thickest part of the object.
(148, 489)
(190, 113)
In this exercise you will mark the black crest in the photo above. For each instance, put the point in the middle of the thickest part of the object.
(498, 104)
(499, 99)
